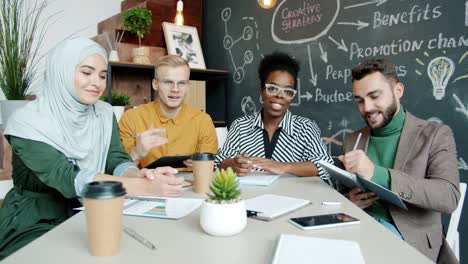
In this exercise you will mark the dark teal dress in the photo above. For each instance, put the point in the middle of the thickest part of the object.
(44, 193)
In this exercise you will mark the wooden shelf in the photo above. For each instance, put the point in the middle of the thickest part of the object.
(135, 79)
(206, 72)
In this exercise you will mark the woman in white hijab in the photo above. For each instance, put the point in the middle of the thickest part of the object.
(63, 140)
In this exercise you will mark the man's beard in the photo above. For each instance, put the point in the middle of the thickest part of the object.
(387, 114)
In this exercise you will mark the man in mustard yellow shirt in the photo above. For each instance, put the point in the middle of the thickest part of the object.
(167, 126)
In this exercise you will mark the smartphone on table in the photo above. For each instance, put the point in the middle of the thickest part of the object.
(323, 221)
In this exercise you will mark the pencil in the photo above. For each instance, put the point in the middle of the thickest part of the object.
(357, 141)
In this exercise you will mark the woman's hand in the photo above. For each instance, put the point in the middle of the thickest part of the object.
(240, 164)
(269, 165)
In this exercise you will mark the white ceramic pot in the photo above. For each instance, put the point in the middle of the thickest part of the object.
(118, 111)
(223, 219)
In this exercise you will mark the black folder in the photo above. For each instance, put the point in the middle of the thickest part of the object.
(175, 161)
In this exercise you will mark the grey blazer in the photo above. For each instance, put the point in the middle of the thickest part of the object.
(425, 175)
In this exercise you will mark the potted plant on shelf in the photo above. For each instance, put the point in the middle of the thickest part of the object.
(119, 101)
(21, 34)
(223, 213)
(138, 21)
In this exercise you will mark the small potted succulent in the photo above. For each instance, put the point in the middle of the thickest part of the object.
(119, 101)
(138, 21)
(223, 213)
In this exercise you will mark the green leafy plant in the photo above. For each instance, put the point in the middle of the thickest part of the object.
(138, 21)
(224, 187)
(21, 34)
(118, 99)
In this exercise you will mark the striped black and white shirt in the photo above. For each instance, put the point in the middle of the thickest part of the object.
(297, 140)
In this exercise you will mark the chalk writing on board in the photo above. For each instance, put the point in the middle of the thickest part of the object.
(466, 14)
(359, 24)
(301, 95)
(412, 15)
(335, 139)
(303, 21)
(344, 122)
(420, 62)
(333, 73)
(323, 54)
(435, 120)
(440, 70)
(462, 164)
(461, 107)
(340, 45)
(313, 76)
(377, 2)
(401, 46)
(248, 106)
(250, 31)
(462, 57)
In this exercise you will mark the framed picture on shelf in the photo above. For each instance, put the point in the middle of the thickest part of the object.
(184, 41)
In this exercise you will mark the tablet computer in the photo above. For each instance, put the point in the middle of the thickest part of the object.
(323, 221)
(175, 161)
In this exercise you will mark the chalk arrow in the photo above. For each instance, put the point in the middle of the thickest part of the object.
(341, 46)
(313, 77)
(462, 109)
(307, 95)
(377, 2)
(323, 54)
(360, 25)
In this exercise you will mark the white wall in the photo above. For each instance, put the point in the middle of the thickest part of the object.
(77, 17)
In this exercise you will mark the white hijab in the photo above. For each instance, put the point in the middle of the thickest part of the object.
(81, 132)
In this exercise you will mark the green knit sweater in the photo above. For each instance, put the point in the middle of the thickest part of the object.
(383, 145)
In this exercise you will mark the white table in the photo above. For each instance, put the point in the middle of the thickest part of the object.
(183, 240)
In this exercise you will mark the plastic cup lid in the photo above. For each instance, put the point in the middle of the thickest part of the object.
(104, 190)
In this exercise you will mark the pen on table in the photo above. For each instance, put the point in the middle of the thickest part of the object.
(251, 213)
(357, 141)
(331, 203)
(139, 238)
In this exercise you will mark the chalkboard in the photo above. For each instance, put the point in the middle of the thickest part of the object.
(427, 40)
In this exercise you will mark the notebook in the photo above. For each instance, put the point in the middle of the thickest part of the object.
(172, 208)
(258, 178)
(306, 249)
(270, 206)
(352, 180)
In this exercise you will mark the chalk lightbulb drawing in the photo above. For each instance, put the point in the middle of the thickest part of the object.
(440, 70)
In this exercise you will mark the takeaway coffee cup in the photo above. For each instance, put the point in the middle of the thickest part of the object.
(202, 165)
(103, 201)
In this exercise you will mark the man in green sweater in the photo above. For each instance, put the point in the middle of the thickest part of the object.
(410, 156)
